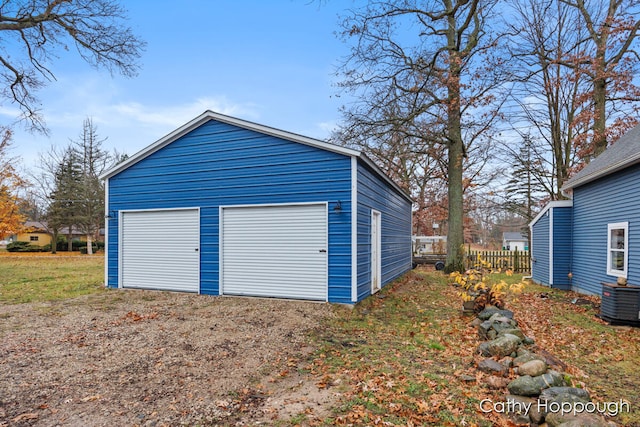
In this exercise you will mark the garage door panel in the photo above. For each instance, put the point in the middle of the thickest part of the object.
(275, 251)
(160, 250)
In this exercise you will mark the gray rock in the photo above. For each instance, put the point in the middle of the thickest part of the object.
(533, 368)
(550, 379)
(528, 341)
(513, 331)
(553, 393)
(527, 385)
(491, 310)
(555, 404)
(525, 406)
(483, 349)
(468, 378)
(502, 346)
(483, 330)
(490, 366)
(558, 419)
(506, 361)
(475, 323)
(524, 386)
(525, 356)
(500, 323)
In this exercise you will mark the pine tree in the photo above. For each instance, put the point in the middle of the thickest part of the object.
(64, 198)
(521, 193)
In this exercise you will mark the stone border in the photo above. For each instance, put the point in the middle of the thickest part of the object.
(538, 395)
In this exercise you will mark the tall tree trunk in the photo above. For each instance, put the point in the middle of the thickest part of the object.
(54, 242)
(89, 244)
(599, 114)
(455, 236)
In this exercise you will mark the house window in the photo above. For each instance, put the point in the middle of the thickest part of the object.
(618, 251)
(33, 238)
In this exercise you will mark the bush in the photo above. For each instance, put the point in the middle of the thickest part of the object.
(478, 286)
(23, 247)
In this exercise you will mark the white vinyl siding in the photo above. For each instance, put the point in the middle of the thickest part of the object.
(617, 249)
(160, 249)
(274, 251)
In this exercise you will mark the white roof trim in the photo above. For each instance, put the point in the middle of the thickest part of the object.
(612, 168)
(210, 115)
(554, 204)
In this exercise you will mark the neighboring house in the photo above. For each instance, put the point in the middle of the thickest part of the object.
(37, 234)
(513, 240)
(223, 206)
(595, 237)
(77, 234)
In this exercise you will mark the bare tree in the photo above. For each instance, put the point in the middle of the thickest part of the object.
(33, 30)
(608, 57)
(94, 160)
(425, 69)
(547, 93)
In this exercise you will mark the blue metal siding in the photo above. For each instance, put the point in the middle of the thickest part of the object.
(540, 250)
(221, 164)
(562, 238)
(373, 193)
(615, 198)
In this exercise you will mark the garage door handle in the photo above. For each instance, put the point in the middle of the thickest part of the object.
(323, 251)
(196, 249)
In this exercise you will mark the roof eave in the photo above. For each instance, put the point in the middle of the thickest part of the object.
(615, 167)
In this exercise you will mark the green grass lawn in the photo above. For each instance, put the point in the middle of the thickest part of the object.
(31, 278)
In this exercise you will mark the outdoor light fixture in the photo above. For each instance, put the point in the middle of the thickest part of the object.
(338, 207)
(111, 215)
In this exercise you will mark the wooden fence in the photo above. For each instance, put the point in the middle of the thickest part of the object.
(517, 261)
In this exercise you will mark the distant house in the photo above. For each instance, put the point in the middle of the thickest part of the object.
(513, 240)
(594, 238)
(36, 234)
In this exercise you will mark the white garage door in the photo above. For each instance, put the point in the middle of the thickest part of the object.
(275, 251)
(161, 250)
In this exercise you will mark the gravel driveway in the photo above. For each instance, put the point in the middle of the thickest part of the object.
(128, 357)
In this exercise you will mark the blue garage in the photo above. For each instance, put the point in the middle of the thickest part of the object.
(223, 206)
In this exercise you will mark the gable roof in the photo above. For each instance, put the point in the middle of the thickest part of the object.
(623, 153)
(290, 136)
(553, 204)
(513, 236)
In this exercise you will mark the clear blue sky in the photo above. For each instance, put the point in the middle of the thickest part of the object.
(271, 62)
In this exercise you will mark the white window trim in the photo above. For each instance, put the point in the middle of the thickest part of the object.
(625, 227)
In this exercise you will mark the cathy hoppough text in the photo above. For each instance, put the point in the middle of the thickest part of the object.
(512, 406)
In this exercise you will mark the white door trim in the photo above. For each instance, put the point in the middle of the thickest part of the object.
(376, 251)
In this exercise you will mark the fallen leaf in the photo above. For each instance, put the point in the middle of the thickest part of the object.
(26, 416)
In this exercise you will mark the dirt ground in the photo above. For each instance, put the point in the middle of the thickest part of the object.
(145, 358)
